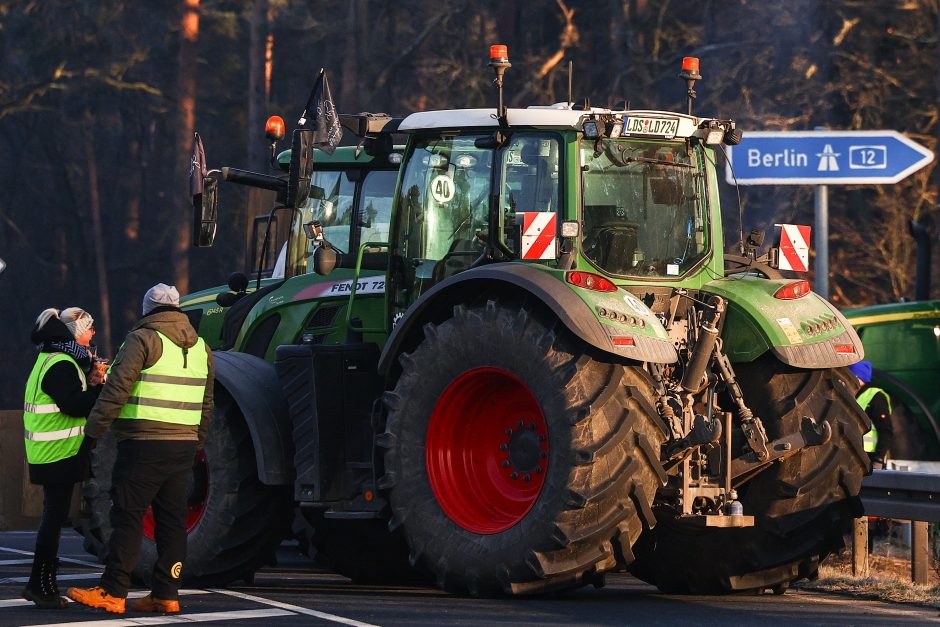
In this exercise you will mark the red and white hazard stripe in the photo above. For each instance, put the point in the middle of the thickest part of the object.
(794, 247)
(539, 229)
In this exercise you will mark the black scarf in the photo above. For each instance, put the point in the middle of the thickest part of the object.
(71, 348)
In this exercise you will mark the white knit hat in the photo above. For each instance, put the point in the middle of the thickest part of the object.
(160, 295)
(77, 320)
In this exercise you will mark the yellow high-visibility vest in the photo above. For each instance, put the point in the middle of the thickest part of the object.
(172, 389)
(871, 438)
(50, 434)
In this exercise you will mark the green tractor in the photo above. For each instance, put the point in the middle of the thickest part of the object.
(350, 194)
(546, 371)
(909, 376)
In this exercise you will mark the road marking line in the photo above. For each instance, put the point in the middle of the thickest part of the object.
(14, 562)
(61, 559)
(203, 617)
(294, 608)
(72, 577)
(130, 595)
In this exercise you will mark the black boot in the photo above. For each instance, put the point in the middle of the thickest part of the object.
(42, 588)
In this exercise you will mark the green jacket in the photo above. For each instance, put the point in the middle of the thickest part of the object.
(142, 349)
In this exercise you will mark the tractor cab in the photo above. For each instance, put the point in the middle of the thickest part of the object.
(347, 193)
(628, 190)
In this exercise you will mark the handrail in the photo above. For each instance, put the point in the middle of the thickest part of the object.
(352, 292)
(902, 495)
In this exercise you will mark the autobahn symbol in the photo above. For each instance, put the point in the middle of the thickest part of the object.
(824, 158)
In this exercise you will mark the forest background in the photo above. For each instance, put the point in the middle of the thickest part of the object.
(99, 101)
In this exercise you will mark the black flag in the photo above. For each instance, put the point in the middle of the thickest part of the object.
(327, 131)
(197, 167)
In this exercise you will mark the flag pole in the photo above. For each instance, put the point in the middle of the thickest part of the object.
(303, 116)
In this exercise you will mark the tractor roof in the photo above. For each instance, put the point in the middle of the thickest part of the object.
(559, 116)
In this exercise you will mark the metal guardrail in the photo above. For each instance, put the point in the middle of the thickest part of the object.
(902, 495)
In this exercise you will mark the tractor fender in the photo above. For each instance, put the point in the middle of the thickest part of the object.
(255, 388)
(513, 279)
(806, 332)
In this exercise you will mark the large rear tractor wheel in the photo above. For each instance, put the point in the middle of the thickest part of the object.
(802, 505)
(517, 462)
(234, 522)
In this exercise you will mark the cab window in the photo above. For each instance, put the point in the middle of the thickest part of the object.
(375, 213)
(331, 203)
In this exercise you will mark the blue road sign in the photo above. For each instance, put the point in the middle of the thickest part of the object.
(824, 158)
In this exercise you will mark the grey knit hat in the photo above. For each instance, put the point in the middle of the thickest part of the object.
(77, 320)
(160, 295)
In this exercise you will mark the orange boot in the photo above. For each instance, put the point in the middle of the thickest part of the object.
(150, 603)
(98, 598)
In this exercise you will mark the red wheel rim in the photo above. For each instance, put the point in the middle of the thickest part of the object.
(487, 450)
(195, 502)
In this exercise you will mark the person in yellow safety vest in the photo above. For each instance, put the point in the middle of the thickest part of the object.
(61, 390)
(158, 402)
(877, 405)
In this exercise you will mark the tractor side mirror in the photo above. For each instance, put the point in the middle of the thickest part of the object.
(301, 166)
(205, 206)
(324, 259)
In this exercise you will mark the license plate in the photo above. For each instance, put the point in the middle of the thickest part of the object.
(651, 127)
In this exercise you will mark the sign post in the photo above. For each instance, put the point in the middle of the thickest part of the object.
(821, 211)
(821, 158)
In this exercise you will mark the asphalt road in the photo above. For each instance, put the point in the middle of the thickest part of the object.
(295, 593)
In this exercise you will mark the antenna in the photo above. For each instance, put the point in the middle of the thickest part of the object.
(570, 68)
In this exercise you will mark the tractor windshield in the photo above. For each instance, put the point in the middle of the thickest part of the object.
(643, 209)
(445, 195)
(444, 201)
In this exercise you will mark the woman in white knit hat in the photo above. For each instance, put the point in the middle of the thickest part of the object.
(60, 392)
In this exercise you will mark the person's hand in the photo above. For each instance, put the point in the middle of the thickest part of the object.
(98, 374)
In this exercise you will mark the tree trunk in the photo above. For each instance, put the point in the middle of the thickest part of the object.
(258, 77)
(97, 239)
(257, 87)
(189, 37)
(348, 92)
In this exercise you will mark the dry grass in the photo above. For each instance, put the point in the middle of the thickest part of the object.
(889, 580)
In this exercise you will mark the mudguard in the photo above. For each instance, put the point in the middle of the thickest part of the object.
(806, 332)
(598, 318)
(253, 384)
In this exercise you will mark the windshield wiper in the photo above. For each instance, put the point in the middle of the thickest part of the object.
(657, 162)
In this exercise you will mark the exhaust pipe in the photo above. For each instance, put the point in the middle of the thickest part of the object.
(919, 232)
